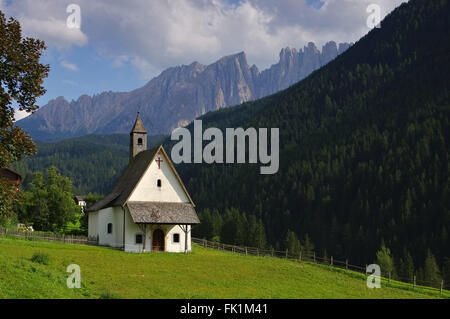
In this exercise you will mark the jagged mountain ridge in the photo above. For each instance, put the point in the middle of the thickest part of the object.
(177, 96)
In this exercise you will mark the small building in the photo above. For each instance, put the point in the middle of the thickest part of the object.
(149, 208)
(12, 176)
(80, 201)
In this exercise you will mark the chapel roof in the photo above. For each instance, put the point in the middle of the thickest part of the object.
(162, 213)
(130, 178)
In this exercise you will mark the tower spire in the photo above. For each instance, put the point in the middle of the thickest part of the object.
(138, 137)
(138, 125)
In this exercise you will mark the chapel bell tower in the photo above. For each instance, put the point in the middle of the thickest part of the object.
(138, 137)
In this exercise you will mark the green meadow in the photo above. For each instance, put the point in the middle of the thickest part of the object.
(204, 273)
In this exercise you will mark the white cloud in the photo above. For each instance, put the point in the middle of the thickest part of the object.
(46, 20)
(154, 35)
(54, 32)
(69, 66)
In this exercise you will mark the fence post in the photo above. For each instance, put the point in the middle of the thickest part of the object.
(245, 250)
(314, 257)
(389, 277)
(346, 264)
(414, 282)
(331, 260)
(286, 253)
(442, 285)
(272, 252)
(300, 256)
(257, 251)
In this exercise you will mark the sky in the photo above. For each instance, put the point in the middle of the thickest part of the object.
(120, 45)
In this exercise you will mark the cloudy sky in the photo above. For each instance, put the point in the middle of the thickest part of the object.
(121, 45)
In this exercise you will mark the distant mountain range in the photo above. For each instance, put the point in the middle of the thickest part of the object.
(177, 96)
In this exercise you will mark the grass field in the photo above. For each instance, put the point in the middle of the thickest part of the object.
(205, 273)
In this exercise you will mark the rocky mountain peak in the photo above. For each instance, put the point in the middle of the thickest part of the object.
(178, 95)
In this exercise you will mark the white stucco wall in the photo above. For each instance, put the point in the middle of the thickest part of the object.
(170, 190)
(176, 247)
(113, 215)
(93, 224)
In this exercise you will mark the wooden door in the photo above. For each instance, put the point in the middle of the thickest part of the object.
(158, 240)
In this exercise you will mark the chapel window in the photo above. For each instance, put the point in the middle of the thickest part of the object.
(109, 228)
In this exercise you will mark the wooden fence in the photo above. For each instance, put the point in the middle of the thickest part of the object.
(48, 236)
(312, 257)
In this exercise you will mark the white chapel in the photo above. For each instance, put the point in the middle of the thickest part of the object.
(149, 208)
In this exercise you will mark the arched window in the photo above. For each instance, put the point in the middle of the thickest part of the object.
(109, 228)
(158, 183)
(139, 141)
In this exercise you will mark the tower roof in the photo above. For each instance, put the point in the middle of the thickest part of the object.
(138, 125)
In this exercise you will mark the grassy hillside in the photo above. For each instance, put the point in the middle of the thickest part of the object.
(205, 273)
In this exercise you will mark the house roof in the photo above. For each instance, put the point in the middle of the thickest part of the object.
(79, 198)
(131, 177)
(10, 174)
(138, 125)
(162, 213)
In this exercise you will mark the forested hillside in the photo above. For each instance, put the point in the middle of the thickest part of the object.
(364, 151)
(93, 162)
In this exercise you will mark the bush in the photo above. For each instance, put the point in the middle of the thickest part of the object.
(41, 258)
(108, 295)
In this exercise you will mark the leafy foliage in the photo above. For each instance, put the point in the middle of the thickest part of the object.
(49, 206)
(41, 258)
(9, 199)
(21, 76)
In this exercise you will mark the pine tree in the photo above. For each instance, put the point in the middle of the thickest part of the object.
(446, 272)
(308, 246)
(292, 244)
(431, 271)
(406, 267)
(385, 260)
